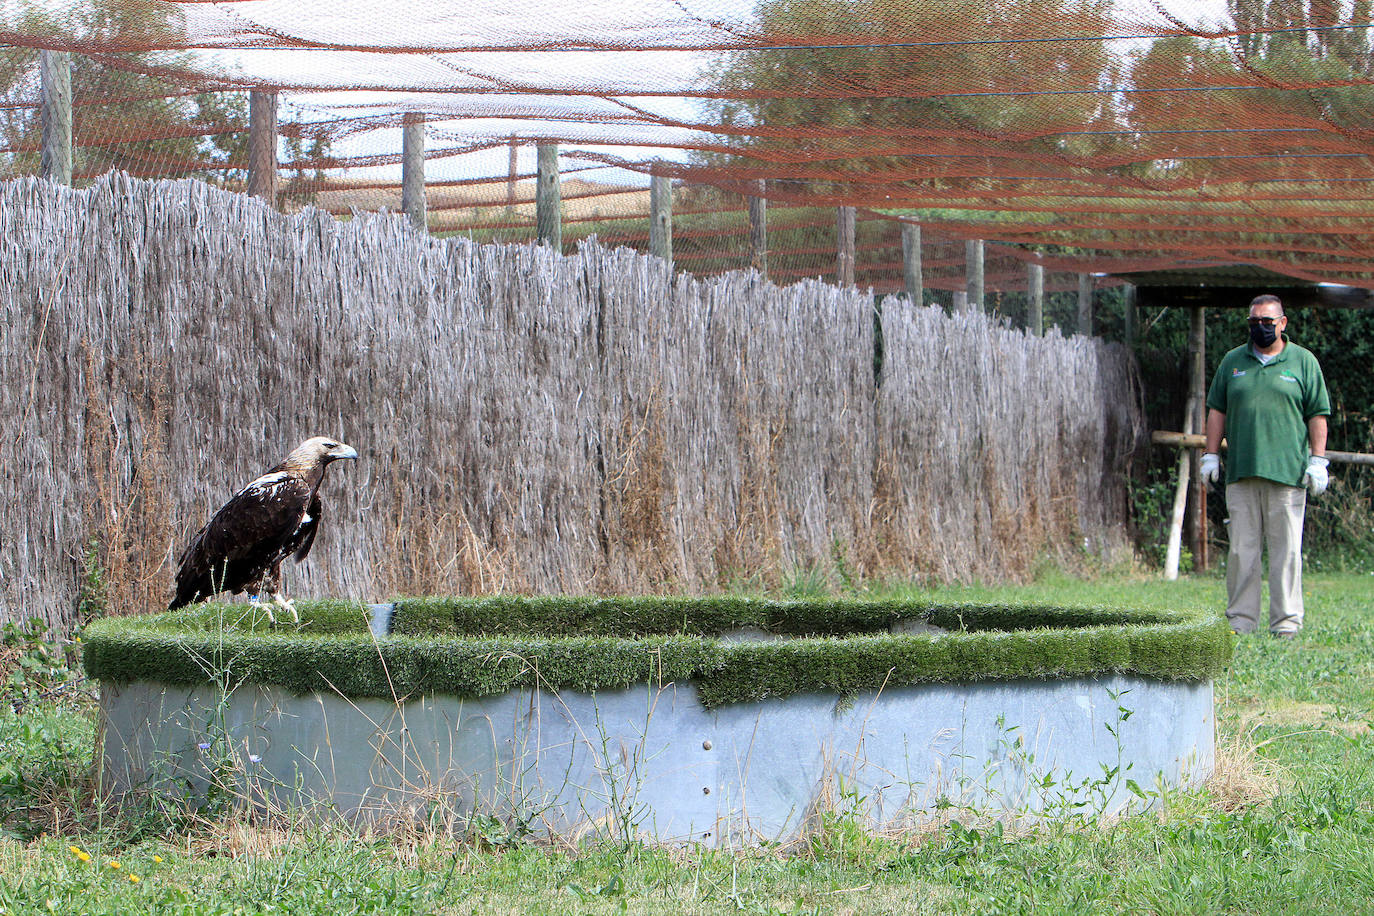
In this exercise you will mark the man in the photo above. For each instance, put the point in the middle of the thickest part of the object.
(1269, 399)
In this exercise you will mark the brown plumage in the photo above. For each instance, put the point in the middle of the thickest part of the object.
(242, 547)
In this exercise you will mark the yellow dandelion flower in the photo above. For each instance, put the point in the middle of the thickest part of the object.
(80, 853)
(112, 865)
(157, 859)
(134, 879)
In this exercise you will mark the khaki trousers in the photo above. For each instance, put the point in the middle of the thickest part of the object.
(1264, 514)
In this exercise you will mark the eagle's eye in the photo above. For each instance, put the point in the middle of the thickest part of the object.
(331, 445)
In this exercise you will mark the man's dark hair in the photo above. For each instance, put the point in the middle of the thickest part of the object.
(1267, 299)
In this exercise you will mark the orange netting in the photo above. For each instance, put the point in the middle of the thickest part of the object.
(1090, 135)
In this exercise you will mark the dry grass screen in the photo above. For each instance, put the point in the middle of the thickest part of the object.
(528, 421)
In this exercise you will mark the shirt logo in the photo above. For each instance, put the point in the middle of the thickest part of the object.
(1237, 373)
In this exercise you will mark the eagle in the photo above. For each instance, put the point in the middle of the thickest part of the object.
(242, 547)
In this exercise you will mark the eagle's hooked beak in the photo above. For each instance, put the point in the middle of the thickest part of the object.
(341, 451)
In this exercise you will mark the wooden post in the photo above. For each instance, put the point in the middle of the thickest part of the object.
(1185, 466)
(911, 263)
(1188, 476)
(548, 198)
(1131, 319)
(262, 146)
(1085, 304)
(973, 266)
(844, 244)
(1035, 299)
(661, 218)
(55, 78)
(513, 175)
(1197, 387)
(960, 300)
(758, 228)
(413, 169)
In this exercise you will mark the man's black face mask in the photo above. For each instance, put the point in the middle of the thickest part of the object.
(1263, 335)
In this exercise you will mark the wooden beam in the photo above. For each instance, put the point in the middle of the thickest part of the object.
(911, 263)
(758, 228)
(1035, 299)
(973, 268)
(1085, 304)
(548, 198)
(1238, 297)
(55, 90)
(1130, 319)
(1197, 440)
(413, 169)
(1174, 543)
(844, 245)
(513, 174)
(661, 217)
(262, 146)
(1197, 409)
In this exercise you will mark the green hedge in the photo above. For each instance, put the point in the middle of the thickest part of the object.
(482, 646)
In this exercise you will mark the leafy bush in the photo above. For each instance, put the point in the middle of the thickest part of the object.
(35, 670)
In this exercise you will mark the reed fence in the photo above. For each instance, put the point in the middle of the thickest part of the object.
(527, 421)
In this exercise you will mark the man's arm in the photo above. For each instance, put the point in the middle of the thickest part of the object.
(1316, 434)
(1210, 466)
(1216, 428)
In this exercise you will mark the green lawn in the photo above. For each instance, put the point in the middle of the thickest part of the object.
(1288, 827)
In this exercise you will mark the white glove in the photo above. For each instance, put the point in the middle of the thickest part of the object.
(1210, 467)
(1316, 477)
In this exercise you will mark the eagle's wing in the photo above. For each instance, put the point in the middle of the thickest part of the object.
(305, 534)
(243, 539)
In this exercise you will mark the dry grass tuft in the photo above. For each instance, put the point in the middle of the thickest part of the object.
(1243, 778)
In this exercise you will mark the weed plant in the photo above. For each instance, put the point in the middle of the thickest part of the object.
(1285, 826)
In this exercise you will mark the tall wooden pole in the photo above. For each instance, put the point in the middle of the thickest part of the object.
(973, 266)
(513, 174)
(911, 263)
(844, 244)
(960, 300)
(55, 78)
(1188, 477)
(1035, 299)
(758, 228)
(661, 217)
(1197, 386)
(548, 198)
(413, 169)
(1085, 304)
(1130, 324)
(262, 146)
(1185, 470)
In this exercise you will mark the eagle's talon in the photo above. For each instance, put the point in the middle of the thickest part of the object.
(286, 603)
(257, 604)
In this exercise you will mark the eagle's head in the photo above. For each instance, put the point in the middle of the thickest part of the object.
(318, 452)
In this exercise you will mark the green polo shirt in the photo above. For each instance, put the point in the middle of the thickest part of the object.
(1267, 406)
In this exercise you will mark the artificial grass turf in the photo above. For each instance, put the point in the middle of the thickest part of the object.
(483, 646)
